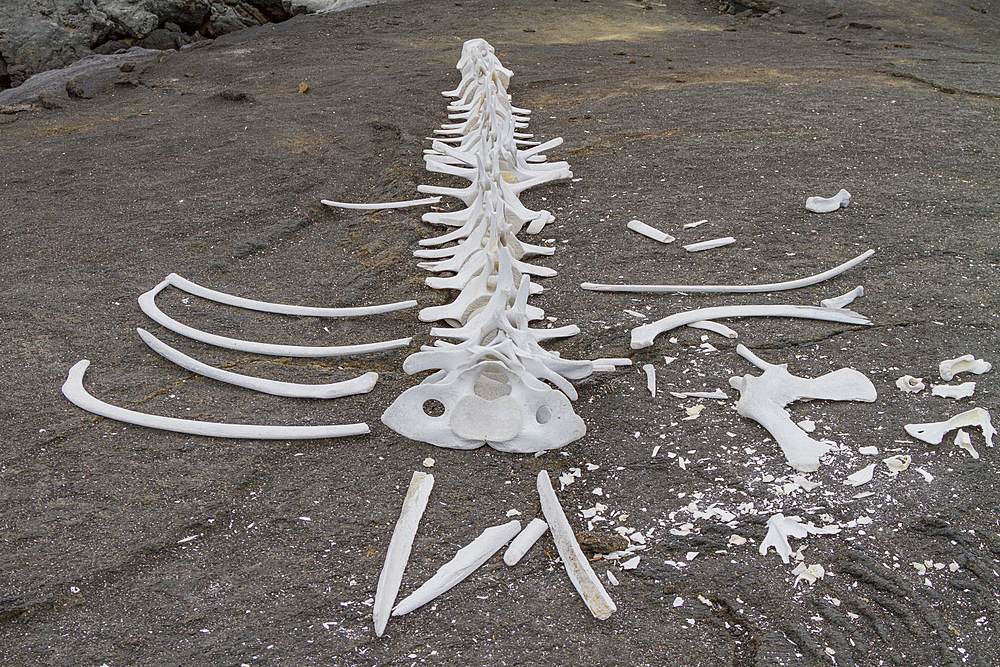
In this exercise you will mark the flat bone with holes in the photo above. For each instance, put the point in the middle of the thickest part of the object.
(495, 381)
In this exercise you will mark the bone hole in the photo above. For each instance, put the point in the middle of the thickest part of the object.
(433, 407)
(543, 414)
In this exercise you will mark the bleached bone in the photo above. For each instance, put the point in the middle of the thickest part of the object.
(764, 397)
(186, 285)
(465, 562)
(898, 463)
(650, 232)
(524, 541)
(586, 582)
(715, 327)
(963, 440)
(844, 299)
(147, 303)
(934, 432)
(650, 378)
(910, 384)
(718, 394)
(708, 245)
(73, 390)
(732, 289)
(829, 204)
(780, 528)
(643, 336)
(398, 553)
(359, 385)
(862, 476)
(963, 390)
(949, 368)
(381, 205)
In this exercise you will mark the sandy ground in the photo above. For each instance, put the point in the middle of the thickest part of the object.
(672, 113)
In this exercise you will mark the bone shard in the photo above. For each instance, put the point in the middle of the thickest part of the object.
(956, 391)
(584, 579)
(733, 289)
(949, 368)
(934, 432)
(650, 378)
(910, 384)
(359, 385)
(715, 327)
(381, 205)
(963, 440)
(74, 391)
(465, 562)
(780, 528)
(524, 541)
(764, 397)
(862, 476)
(708, 245)
(843, 299)
(716, 393)
(898, 463)
(650, 232)
(828, 204)
(398, 553)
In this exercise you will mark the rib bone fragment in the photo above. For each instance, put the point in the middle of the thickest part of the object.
(708, 245)
(381, 205)
(524, 541)
(650, 232)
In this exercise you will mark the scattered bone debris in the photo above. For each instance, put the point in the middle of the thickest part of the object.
(828, 204)
(967, 363)
(934, 432)
(862, 476)
(650, 372)
(910, 384)
(956, 391)
(780, 528)
(709, 244)
(898, 463)
(844, 299)
(808, 573)
(650, 232)
(692, 225)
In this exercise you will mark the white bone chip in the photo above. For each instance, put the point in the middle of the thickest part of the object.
(692, 225)
(828, 204)
(807, 425)
(898, 463)
(612, 579)
(843, 299)
(428, 462)
(809, 574)
(966, 363)
(956, 391)
(715, 327)
(631, 563)
(868, 451)
(780, 528)
(862, 476)
(708, 245)
(650, 378)
(934, 432)
(693, 412)
(910, 384)
(716, 393)
(963, 440)
(650, 232)
(737, 540)
(926, 475)
(805, 483)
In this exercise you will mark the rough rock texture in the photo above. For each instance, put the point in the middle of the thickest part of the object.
(39, 35)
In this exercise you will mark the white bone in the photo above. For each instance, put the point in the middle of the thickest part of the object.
(650, 232)
(862, 476)
(524, 541)
(465, 562)
(650, 378)
(966, 363)
(910, 384)
(718, 393)
(643, 336)
(708, 245)
(186, 285)
(715, 327)
(763, 398)
(829, 204)
(359, 385)
(692, 225)
(898, 463)
(963, 390)
(586, 582)
(398, 553)
(733, 289)
(147, 303)
(963, 440)
(844, 299)
(73, 390)
(934, 432)
(381, 205)
(780, 528)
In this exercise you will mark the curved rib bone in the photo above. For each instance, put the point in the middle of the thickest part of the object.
(381, 205)
(73, 390)
(359, 385)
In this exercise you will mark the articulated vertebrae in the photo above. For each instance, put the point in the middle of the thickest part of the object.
(493, 382)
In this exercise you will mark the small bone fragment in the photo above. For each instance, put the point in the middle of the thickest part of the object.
(715, 327)
(381, 205)
(580, 573)
(737, 540)
(966, 363)
(524, 541)
(428, 462)
(807, 425)
(898, 463)
(843, 299)
(734, 289)
(963, 440)
(650, 232)
(806, 484)
(808, 574)
(650, 378)
(956, 391)
(708, 245)
(717, 393)
(612, 579)
(636, 313)
(398, 553)
(910, 384)
(868, 451)
(73, 390)
(934, 432)
(862, 476)
(461, 566)
(692, 225)
(763, 398)
(631, 563)
(644, 335)
(780, 528)
(927, 476)
(693, 412)
(828, 204)
(359, 385)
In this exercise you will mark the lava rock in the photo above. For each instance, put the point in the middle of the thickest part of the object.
(594, 542)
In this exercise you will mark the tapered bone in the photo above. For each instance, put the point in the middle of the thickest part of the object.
(714, 327)
(147, 303)
(524, 541)
(708, 245)
(934, 431)
(643, 336)
(359, 385)
(650, 372)
(381, 205)
(465, 562)
(73, 390)
(398, 553)
(828, 204)
(844, 299)
(578, 568)
(650, 232)
(732, 289)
